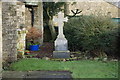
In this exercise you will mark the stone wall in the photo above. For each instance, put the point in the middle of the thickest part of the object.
(9, 28)
(21, 29)
(16, 18)
(28, 17)
(0, 39)
(38, 18)
(20, 7)
(97, 8)
(13, 29)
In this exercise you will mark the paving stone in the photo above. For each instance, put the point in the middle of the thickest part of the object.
(35, 74)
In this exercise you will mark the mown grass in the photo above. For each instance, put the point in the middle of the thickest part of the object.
(79, 69)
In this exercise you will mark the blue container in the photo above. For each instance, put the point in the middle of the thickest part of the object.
(34, 47)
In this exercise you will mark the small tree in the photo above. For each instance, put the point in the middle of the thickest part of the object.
(51, 9)
(33, 34)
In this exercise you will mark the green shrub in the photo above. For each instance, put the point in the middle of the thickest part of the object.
(91, 33)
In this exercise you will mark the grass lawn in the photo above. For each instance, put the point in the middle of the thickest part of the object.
(80, 69)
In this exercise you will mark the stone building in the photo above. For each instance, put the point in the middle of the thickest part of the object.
(9, 31)
(100, 7)
(35, 10)
(15, 19)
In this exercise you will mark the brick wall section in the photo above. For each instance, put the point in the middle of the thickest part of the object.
(9, 31)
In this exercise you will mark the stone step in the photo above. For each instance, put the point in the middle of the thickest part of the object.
(8, 75)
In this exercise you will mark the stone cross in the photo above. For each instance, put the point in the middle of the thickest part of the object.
(60, 20)
(61, 43)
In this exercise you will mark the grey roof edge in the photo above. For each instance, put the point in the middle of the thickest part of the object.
(113, 2)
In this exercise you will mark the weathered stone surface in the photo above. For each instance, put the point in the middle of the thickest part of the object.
(16, 18)
(61, 43)
(61, 54)
(39, 20)
(21, 29)
(35, 18)
(36, 74)
(0, 40)
(13, 19)
(28, 17)
(96, 7)
(9, 32)
(20, 13)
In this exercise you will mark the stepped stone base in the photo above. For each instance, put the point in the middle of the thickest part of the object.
(61, 54)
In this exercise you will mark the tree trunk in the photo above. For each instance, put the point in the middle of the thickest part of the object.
(50, 24)
(52, 29)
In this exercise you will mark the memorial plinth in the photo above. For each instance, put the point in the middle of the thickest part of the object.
(61, 43)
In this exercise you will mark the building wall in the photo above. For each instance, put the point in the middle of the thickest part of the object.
(21, 29)
(98, 8)
(15, 19)
(28, 17)
(36, 24)
(0, 40)
(14, 30)
(9, 31)
(119, 13)
(20, 8)
(38, 19)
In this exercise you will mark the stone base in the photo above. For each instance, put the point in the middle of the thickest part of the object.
(61, 54)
